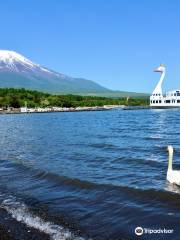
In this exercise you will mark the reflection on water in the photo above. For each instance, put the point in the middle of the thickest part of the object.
(172, 188)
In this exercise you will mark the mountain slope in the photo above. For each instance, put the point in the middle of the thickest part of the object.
(18, 71)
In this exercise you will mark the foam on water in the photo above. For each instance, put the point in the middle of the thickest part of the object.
(21, 213)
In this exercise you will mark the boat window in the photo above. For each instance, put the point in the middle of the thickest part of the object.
(153, 101)
(178, 94)
(159, 101)
(156, 101)
(168, 101)
(178, 101)
(174, 94)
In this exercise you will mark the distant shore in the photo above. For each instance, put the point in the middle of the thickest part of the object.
(58, 109)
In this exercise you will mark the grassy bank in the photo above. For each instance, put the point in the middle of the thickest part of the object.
(10, 97)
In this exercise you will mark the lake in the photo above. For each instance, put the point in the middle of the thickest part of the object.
(90, 175)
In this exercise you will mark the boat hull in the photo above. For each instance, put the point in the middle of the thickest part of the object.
(164, 107)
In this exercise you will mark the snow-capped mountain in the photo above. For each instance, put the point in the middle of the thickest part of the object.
(14, 62)
(9, 59)
(18, 71)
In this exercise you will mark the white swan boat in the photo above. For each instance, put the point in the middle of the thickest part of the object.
(170, 100)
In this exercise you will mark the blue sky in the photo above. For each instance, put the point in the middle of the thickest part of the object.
(116, 43)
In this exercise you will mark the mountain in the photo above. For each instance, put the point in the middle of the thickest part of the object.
(18, 71)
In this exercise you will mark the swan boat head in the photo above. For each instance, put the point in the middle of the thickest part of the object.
(160, 69)
(157, 93)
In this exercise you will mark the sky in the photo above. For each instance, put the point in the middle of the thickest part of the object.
(116, 43)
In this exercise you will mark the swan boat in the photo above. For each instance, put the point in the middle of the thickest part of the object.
(170, 100)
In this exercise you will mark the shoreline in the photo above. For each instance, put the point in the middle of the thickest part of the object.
(59, 109)
(11, 229)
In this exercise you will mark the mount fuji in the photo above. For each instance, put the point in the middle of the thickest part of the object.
(18, 71)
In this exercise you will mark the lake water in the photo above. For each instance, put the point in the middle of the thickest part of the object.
(91, 175)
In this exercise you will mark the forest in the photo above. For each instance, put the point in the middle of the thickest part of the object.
(16, 98)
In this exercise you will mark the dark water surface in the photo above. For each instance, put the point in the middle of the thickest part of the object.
(91, 175)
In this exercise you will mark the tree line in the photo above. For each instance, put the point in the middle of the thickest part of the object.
(11, 97)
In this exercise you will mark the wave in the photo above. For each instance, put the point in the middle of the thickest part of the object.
(135, 161)
(170, 193)
(21, 213)
(106, 146)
